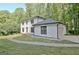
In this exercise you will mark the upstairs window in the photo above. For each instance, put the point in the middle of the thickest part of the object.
(22, 23)
(32, 21)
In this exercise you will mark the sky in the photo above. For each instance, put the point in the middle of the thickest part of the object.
(11, 6)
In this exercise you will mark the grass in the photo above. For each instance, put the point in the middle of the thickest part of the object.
(33, 39)
(10, 36)
(11, 48)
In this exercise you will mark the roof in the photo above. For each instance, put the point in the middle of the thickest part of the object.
(47, 21)
(36, 17)
(31, 18)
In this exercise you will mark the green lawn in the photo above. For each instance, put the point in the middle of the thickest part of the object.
(10, 36)
(11, 48)
(33, 39)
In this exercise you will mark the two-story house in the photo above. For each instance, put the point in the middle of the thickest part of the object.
(27, 26)
(40, 26)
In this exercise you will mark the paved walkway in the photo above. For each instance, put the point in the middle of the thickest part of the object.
(45, 44)
(71, 38)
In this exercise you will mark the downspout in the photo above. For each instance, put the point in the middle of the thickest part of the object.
(57, 32)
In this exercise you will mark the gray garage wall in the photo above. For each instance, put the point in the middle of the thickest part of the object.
(51, 30)
(61, 30)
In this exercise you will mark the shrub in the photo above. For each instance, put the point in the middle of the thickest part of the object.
(73, 32)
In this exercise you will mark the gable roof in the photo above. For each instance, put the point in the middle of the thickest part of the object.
(33, 17)
(36, 17)
(47, 21)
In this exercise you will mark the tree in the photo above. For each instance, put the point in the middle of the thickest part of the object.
(63, 12)
(17, 16)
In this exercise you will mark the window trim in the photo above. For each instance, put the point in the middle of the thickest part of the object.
(32, 21)
(44, 31)
(32, 31)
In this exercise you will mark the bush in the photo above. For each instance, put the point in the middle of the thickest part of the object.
(73, 32)
(8, 32)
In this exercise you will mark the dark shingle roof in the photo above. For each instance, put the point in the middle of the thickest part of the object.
(47, 21)
(36, 17)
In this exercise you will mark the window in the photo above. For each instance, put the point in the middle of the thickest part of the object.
(22, 23)
(22, 29)
(32, 29)
(26, 29)
(32, 21)
(43, 29)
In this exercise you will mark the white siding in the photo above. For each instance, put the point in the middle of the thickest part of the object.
(63, 27)
(23, 26)
(61, 30)
(29, 25)
(51, 30)
(36, 20)
(37, 30)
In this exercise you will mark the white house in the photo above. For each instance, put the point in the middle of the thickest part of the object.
(40, 26)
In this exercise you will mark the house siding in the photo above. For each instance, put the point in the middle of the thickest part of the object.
(36, 20)
(61, 30)
(51, 30)
(29, 25)
(23, 26)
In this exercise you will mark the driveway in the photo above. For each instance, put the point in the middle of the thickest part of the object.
(45, 44)
(71, 38)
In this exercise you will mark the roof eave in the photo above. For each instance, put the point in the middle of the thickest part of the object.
(48, 23)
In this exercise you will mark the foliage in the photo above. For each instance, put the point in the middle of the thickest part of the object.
(63, 12)
(10, 22)
(10, 48)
